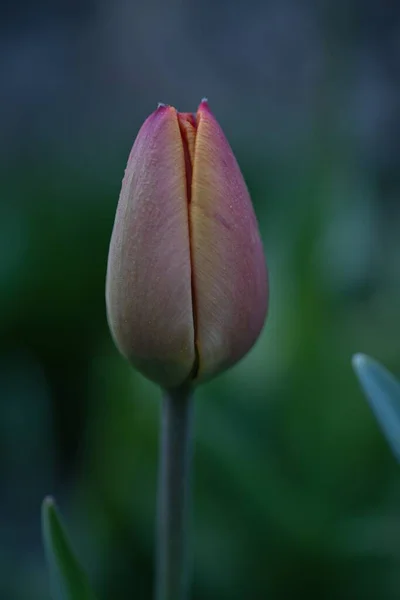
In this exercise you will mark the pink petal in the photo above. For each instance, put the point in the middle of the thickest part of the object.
(148, 291)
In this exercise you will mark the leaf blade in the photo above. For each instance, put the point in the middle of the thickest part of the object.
(67, 578)
(382, 391)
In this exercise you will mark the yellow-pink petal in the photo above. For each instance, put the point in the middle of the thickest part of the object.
(228, 265)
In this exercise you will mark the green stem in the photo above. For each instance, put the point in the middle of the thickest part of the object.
(173, 495)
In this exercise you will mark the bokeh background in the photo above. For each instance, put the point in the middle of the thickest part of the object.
(296, 494)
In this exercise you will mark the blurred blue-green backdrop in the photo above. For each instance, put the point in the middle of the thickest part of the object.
(296, 494)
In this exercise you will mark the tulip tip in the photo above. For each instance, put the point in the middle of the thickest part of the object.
(204, 105)
(161, 105)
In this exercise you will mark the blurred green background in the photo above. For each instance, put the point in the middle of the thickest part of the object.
(296, 494)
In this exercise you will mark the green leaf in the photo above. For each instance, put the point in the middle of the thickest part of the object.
(383, 394)
(68, 581)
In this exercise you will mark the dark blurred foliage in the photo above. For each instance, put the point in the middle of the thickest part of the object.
(296, 493)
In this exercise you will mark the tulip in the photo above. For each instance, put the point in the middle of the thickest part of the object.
(187, 288)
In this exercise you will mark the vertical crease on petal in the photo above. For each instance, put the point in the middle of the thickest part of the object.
(187, 126)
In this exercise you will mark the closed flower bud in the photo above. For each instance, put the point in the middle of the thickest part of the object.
(186, 288)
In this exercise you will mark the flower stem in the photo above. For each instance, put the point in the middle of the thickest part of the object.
(173, 495)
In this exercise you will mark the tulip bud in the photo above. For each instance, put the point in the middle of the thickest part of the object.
(187, 288)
